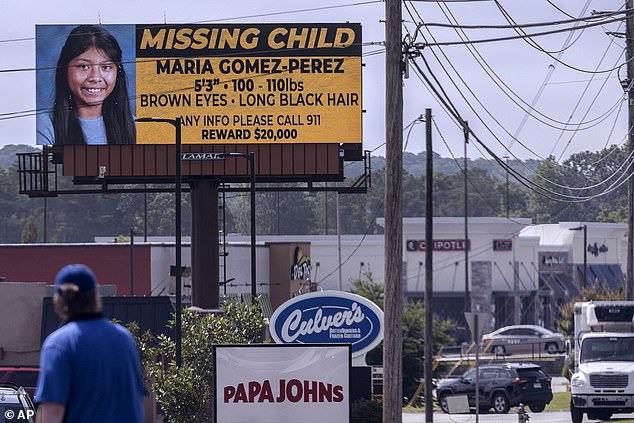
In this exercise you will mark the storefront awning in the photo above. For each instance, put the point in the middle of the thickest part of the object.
(558, 283)
(608, 275)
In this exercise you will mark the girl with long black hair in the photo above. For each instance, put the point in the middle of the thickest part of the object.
(91, 92)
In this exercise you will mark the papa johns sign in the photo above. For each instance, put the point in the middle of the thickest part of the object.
(329, 317)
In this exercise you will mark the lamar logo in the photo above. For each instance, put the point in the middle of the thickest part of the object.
(294, 390)
(203, 156)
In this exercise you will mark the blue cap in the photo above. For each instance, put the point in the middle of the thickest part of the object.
(76, 274)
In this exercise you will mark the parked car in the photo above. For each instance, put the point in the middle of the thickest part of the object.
(523, 339)
(502, 386)
(25, 377)
(15, 404)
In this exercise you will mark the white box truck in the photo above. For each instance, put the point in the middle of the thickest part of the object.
(603, 380)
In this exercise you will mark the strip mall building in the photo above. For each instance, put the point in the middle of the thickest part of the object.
(517, 272)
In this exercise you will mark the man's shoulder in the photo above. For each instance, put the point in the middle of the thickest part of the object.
(118, 330)
(59, 337)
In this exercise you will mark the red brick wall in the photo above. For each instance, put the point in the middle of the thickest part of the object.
(111, 263)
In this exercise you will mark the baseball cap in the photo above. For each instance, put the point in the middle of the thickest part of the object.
(76, 274)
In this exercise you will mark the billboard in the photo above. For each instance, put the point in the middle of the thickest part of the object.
(230, 83)
(282, 383)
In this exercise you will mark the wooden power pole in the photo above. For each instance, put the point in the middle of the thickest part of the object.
(393, 300)
(629, 57)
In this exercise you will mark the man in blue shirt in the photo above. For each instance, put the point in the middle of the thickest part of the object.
(89, 368)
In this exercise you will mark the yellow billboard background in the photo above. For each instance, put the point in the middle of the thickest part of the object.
(251, 99)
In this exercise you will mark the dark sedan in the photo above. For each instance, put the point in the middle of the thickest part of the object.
(502, 386)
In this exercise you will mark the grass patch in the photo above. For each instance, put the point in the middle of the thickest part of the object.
(560, 402)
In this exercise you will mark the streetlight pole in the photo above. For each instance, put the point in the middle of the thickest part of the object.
(132, 262)
(251, 158)
(584, 228)
(177, 123)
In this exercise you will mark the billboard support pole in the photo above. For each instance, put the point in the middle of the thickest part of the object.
(176, 123)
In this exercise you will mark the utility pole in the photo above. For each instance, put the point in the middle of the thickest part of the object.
(467, 298)
(508, 207)
(429, 268)
(393, 301)
(629, 56)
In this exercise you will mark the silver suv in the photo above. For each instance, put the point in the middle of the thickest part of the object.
(15, 405)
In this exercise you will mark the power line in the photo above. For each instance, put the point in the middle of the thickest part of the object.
(261, 15)
(467, 86)
(34, 112)
(498, 80)
(533, 43)
(516, 37)
(459, 76)
(551, 70)
(538, 189)
(602, 15)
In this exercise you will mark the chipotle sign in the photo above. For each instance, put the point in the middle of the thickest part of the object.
(438, 245)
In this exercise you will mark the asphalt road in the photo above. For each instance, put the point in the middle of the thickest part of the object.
(548, 417)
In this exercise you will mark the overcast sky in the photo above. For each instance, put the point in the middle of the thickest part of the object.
(575, 96)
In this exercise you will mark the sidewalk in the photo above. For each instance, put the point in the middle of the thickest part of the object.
(559, 384)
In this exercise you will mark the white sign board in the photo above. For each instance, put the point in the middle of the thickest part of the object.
(282, 383)
(476, 322)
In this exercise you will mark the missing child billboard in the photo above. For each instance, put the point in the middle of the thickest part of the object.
(230, 83)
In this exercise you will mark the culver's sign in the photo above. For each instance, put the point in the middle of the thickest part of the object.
(328, 317)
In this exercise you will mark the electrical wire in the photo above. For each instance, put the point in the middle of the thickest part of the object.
(546, 180)
(581, 96)
(563, 12)
(517, 37)
(459, 76)
(461, 169)
(34, 112)
(261, 15)
(514, 25)
(538, 189)
(520, 31)
(496, 78)
(551, 69)
(481, 119)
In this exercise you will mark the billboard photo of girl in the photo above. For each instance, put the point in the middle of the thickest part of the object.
(91, 93)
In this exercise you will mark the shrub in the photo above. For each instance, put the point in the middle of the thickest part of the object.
(366, 411)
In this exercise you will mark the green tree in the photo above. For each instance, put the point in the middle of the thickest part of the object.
(29, 233)
(16, 208)
(565, 324)
(589, 175)
(283, 213)
(413, 327)
(185, 394)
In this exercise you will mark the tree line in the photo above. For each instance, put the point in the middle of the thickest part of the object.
(80, 218)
